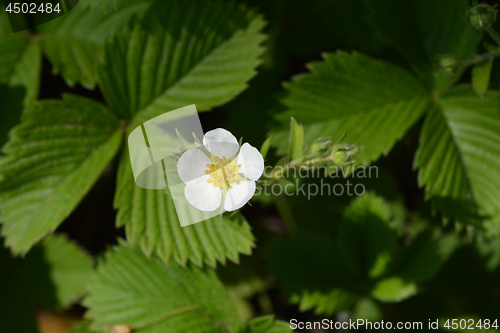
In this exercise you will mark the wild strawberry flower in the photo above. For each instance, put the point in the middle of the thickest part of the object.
(221, 174)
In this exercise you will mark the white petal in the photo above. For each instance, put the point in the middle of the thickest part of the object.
(251, 161)
(238, 195)
(221, 142)
(192, 165)
(202, 195)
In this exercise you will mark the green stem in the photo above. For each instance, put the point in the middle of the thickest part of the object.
(494, 35)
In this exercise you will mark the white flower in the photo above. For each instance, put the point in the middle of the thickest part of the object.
(225, 177)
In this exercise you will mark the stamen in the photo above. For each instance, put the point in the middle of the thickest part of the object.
(223, 172)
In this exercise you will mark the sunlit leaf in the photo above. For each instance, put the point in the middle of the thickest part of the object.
(344, 94)
(459, 157)
(53, 158)
(148, 296)
(186, 57)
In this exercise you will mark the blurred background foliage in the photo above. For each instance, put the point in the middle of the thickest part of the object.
(422, 243)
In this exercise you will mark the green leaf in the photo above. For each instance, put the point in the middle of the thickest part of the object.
(367, 223)
(359, 256)
(425, 255)
(105, 5)
(298, 264)
(184, 53)
(394, 289)
(74, 42)
(265, 147)
(481, 76)
(11, 106)
(52, 276)
(459, 157)
(149, 296)
(68, 270)
(20, 65)
(82, 327)
(344, 94)
(422, 29)
(265, 324)
(296, 144)
(53, 158)
(151, 221)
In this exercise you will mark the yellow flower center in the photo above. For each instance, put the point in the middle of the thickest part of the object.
(223, 172)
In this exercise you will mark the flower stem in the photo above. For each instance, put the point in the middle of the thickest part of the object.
(494, 34)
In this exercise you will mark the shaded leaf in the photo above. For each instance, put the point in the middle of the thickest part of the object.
(69, 270)
(20, 65)
(423, 29)
(52, 276)
(424, 256)
(330, 272)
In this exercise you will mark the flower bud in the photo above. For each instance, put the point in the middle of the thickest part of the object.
(482, 16)
(342, 153)
(447, 63)
(320, 146)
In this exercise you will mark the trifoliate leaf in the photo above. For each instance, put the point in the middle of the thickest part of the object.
(148, 296)
(344, 94)
(481, 76)
(151, 222)
(74, 42)
(181, 55)
(53, 158)
(459, 157)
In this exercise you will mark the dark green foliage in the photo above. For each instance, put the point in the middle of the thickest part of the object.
(409, 88)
